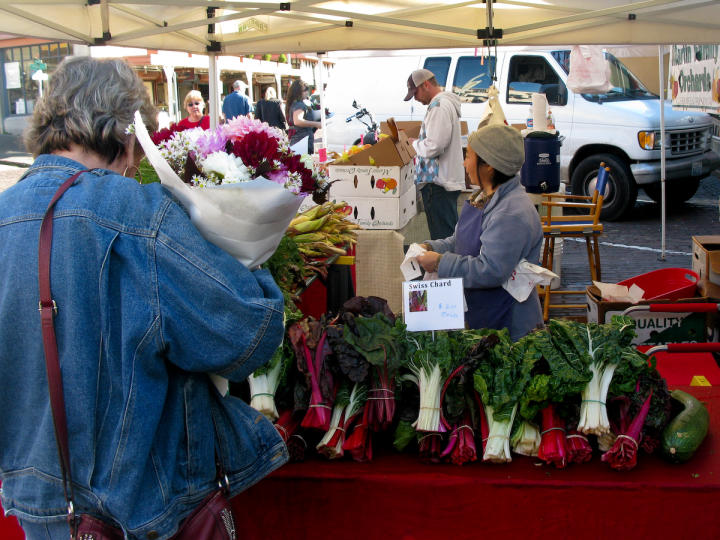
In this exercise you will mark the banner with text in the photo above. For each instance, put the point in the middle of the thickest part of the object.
(695, 77)
(434, 304)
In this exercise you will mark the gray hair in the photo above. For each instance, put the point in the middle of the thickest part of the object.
(237, 85)
(89, 102)
(270, 93)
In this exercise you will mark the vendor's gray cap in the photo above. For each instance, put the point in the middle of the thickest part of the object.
(415, 79)
(500, 146)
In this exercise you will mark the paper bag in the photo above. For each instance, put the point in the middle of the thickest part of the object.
(525, 278)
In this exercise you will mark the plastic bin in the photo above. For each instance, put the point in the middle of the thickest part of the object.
(665, 283)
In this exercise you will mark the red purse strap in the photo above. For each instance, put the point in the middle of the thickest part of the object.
(48, 309)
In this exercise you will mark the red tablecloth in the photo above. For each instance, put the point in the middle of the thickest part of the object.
(395, 496)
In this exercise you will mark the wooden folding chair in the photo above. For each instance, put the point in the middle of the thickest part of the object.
(583, 223)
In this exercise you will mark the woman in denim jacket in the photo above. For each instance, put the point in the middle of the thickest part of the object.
(146, 310)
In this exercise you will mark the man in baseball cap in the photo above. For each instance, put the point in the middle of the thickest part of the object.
(416, 80)
(438, 166)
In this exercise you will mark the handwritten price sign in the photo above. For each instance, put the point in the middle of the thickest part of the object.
(434, 304)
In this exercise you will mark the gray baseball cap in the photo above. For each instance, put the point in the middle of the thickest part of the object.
(415, 79)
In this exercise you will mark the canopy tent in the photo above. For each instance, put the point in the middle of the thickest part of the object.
(228, 27)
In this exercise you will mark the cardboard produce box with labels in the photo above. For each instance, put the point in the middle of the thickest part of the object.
(377, 182)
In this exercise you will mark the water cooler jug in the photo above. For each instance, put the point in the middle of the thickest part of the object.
(541, 171)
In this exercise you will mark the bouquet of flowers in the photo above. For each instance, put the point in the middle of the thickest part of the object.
(241, 183)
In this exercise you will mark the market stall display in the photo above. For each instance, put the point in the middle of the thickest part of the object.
(567, 394)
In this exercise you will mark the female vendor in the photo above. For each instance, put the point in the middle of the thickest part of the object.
(498, 228)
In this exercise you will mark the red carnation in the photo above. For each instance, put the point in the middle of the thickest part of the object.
(257, 150)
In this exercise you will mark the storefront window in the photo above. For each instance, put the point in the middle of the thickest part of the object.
(18, 67)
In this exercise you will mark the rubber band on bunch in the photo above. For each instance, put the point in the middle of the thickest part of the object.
(301, 439)
(628, 437)
(262, 394)
(552, 429)
(431, 434)
(390, 394)
(593, 401)
(577, 436)
(321, 405)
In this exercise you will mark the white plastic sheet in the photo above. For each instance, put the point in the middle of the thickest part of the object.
(246, 219)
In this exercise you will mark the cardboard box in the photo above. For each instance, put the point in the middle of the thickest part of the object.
(366, 181)
(385, 152)
(383, 213)
(713, 274)
(412, 128)
(708, 289)
(703, 262)
(656, 327)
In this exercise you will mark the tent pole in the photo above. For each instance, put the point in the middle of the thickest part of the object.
(321, 84)
(213, 94)
(662, 148)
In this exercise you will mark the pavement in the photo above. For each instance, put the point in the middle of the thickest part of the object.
(14, 159)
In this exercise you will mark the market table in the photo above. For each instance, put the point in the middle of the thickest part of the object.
(397, 497)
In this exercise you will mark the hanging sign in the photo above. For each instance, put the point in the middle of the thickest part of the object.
(695, 77)
(38, 65)
(434, 304)
(12, 75)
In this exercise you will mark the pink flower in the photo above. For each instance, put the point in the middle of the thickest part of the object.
(210, 142)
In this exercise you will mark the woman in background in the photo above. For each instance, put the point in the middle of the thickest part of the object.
(268, 110)
(195, 105)
(298, 114)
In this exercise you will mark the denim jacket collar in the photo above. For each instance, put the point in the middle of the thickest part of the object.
(52, 164)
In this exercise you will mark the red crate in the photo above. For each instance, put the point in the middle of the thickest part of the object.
(665, 283)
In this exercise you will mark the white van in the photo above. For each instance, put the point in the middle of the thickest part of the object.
(621, 128)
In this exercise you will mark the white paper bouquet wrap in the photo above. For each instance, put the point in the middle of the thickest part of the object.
(246, 219)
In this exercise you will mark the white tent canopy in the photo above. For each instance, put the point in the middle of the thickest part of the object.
(227, 27)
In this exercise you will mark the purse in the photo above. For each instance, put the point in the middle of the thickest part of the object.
(211, 520)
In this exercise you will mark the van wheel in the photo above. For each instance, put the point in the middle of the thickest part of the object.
(678, 190)
(620, 192)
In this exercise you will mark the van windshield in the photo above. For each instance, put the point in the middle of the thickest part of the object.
(626, 86)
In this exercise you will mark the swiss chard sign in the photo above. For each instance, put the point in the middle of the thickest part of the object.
(695, 77)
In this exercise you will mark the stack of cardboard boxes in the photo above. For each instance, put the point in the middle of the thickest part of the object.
(378, 184)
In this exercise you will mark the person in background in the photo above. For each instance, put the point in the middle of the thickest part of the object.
(147, 309)
(269, 110)
(438, 166)
(195, 105)
(498, 228)
(298, 115)
(236, 103)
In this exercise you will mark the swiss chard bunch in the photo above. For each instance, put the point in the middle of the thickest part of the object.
(309, 341)
(433, 357)
(381, 342)
(600, 347)
(265, 381)
(500, 379)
